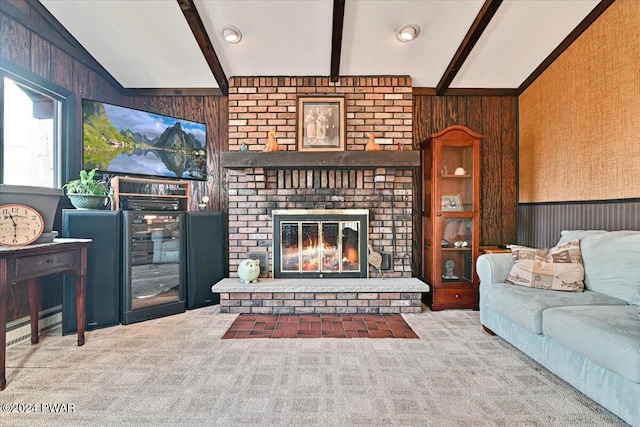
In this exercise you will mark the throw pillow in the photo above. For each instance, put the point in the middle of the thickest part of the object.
(559, 268)
(566, 235)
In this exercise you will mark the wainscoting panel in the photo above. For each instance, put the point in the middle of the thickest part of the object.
(539, 225)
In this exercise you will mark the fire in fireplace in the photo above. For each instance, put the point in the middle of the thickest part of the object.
(320, 242)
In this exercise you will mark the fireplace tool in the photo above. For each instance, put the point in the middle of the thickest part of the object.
(406, 254)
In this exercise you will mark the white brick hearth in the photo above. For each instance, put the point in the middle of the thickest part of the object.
(326, 295)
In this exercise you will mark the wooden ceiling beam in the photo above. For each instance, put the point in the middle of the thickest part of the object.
(200, 33)
(485, 15)
(336, 38)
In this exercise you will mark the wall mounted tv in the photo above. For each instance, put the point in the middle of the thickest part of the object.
(125, 141)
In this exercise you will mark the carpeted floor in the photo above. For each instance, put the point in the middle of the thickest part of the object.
(319, 326)
(177, 371)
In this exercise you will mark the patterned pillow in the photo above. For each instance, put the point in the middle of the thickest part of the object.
(559, 268)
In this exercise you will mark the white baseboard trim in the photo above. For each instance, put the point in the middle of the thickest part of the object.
(19, 330)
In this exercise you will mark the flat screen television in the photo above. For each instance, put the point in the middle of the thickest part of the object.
(126, 141)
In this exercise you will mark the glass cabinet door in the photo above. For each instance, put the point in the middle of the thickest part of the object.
(456, 248)
(455, 218)
(456, 183)
(155, 258)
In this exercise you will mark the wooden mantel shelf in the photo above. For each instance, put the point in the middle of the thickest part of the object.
(321, 160)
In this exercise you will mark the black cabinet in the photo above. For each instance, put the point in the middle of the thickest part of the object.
(102, 306)
(144, 264)
(205, 257)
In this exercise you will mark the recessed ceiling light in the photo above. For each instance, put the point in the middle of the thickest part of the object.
(231, 34)
(408, 32)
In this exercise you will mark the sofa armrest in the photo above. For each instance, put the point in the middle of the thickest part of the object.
(494, 268)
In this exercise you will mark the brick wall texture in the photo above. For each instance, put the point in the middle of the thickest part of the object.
(321, 302)
(380, 105)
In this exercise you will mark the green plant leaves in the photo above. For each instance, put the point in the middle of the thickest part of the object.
(87, 184)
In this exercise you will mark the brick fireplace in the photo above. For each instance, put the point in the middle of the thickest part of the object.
(259, 183)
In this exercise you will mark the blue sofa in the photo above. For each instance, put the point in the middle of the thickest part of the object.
(590, 339)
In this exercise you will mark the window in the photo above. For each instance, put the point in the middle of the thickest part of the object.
(31, 132)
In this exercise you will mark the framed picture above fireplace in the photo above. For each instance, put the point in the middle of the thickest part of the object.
(321, 123)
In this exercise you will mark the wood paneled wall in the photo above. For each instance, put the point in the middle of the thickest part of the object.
(495, 117)
(32, 41)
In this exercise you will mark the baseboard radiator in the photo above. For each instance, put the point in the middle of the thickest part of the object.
(19, 330)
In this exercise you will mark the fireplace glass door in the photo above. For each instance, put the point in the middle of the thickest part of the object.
(318, 247)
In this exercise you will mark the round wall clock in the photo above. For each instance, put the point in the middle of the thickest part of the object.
(20, 225)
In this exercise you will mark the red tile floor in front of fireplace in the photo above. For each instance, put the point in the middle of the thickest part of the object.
(319, 326)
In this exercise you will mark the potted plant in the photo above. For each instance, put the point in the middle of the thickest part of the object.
(88, 192)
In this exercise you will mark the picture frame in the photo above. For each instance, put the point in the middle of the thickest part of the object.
(321, 123)
(451, 203)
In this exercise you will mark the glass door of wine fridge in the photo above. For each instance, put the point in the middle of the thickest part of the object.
(154, 265)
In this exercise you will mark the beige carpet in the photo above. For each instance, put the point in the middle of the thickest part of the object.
(178, 371)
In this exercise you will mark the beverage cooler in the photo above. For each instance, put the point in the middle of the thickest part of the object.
(154, 260)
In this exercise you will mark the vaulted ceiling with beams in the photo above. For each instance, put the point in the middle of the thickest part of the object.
(462, 44)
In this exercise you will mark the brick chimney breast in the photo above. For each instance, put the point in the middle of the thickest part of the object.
(382, 105)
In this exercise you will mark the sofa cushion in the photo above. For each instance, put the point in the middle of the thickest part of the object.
(525, 306)
(607, 335)
(611, 262)
(559, 268)
(566, 235)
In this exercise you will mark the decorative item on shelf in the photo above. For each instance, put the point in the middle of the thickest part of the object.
(244, 148)
(372, 145)
(375, 259)
(272, 143)
(20, 225)
(43, 199)
(449, 266)
(461, 244)
(399, 145)
(87, 192)
(203, 204)
(451, 203)
(445, 243)
(443, 171)
(460, 171)
(249, 270)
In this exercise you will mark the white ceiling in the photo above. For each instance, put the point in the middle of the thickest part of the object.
(148, 43)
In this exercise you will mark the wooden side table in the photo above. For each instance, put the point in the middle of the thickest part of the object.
(29, 263)
(493, 250)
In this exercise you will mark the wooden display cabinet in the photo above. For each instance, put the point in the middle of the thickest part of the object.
(451, 217)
